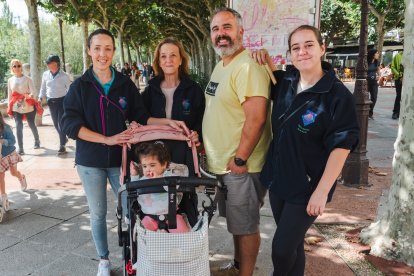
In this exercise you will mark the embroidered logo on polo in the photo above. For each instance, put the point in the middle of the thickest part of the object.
(186, 106)
(309, 117)
(211, 88)
(122, 102)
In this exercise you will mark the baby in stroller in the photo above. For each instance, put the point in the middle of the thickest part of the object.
(154, 160)
(147, 249)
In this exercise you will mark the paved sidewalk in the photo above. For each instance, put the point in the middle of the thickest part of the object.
(47, 231)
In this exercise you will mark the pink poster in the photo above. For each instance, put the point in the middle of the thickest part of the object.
(267, 23)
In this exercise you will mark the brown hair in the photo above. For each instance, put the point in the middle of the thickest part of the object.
(183, 70)
(315, 30)
(102, 32)
(156, 149)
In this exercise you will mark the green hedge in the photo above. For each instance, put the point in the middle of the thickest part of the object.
(3, 91)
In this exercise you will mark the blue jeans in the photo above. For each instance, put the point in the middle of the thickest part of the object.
(94, 182)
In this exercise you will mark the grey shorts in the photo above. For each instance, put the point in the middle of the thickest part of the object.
(245, 197)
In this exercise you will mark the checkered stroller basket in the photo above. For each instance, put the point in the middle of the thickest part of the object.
(173, 254)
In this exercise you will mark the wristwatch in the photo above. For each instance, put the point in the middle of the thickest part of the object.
(239, 162)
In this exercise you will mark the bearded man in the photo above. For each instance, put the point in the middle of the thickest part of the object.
(236, 135)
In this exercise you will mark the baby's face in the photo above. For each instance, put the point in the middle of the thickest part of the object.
(152, 167)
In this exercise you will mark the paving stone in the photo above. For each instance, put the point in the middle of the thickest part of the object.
(27, 225)
(67, 235)
(69, 265)
(8, 241)
(64, 209)
(25, 258)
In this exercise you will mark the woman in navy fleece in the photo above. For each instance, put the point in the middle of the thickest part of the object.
(96, 110)
(314, 128)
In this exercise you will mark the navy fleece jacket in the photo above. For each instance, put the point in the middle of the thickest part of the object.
(306, 128)
(84, 106)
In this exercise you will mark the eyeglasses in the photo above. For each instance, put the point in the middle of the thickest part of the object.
(17, 66)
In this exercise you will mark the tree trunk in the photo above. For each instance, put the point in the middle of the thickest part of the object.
(211, 57)
(392, 236)
(381, 34)
(139, 54)
(35, 49)
(121, 48)
(192, 57)
(128, 53)
(86, 58)
(197, 56)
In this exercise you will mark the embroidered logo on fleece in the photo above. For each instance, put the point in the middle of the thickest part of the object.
(186, 106)
(309, 118)
(122, 102)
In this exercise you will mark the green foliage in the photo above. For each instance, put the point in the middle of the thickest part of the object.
(50, 42)
(13, 43)
(394, 11)
(340, 21)
(200, 78)
(3, 91)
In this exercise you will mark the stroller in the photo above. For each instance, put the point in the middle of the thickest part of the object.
(147, 252)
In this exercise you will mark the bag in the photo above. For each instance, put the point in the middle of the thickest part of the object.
(173, 254)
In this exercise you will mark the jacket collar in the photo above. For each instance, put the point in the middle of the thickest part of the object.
(155, 82)
(119, 79)
(324, 85)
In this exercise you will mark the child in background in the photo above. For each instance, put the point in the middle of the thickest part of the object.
(155, 159)
(9, 159)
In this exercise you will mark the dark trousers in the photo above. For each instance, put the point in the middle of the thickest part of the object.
(288, 252)
(56, 111)
(373, 92)
(30, 117)
(398, 88)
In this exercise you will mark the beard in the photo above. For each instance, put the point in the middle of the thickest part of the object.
(224, 51)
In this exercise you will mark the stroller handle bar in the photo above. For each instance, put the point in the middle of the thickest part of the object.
(172, 180)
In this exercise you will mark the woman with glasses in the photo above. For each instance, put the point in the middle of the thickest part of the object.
(20, 91)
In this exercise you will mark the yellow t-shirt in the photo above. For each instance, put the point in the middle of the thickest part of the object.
(224, 117)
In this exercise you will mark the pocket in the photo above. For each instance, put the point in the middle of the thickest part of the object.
(237, 188)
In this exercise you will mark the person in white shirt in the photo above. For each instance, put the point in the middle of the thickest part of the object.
(20, 90)
(55, 86)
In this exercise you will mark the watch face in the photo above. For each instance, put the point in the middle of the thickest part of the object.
(239, 162)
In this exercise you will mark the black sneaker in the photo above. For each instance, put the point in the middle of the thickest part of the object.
(395, 116)
(62, 150)
(36, 145)
(20, 151)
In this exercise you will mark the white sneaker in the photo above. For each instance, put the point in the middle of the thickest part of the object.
(104, 268)
(23, 183)
(5, 202)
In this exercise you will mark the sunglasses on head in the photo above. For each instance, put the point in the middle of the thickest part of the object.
(17, 66)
